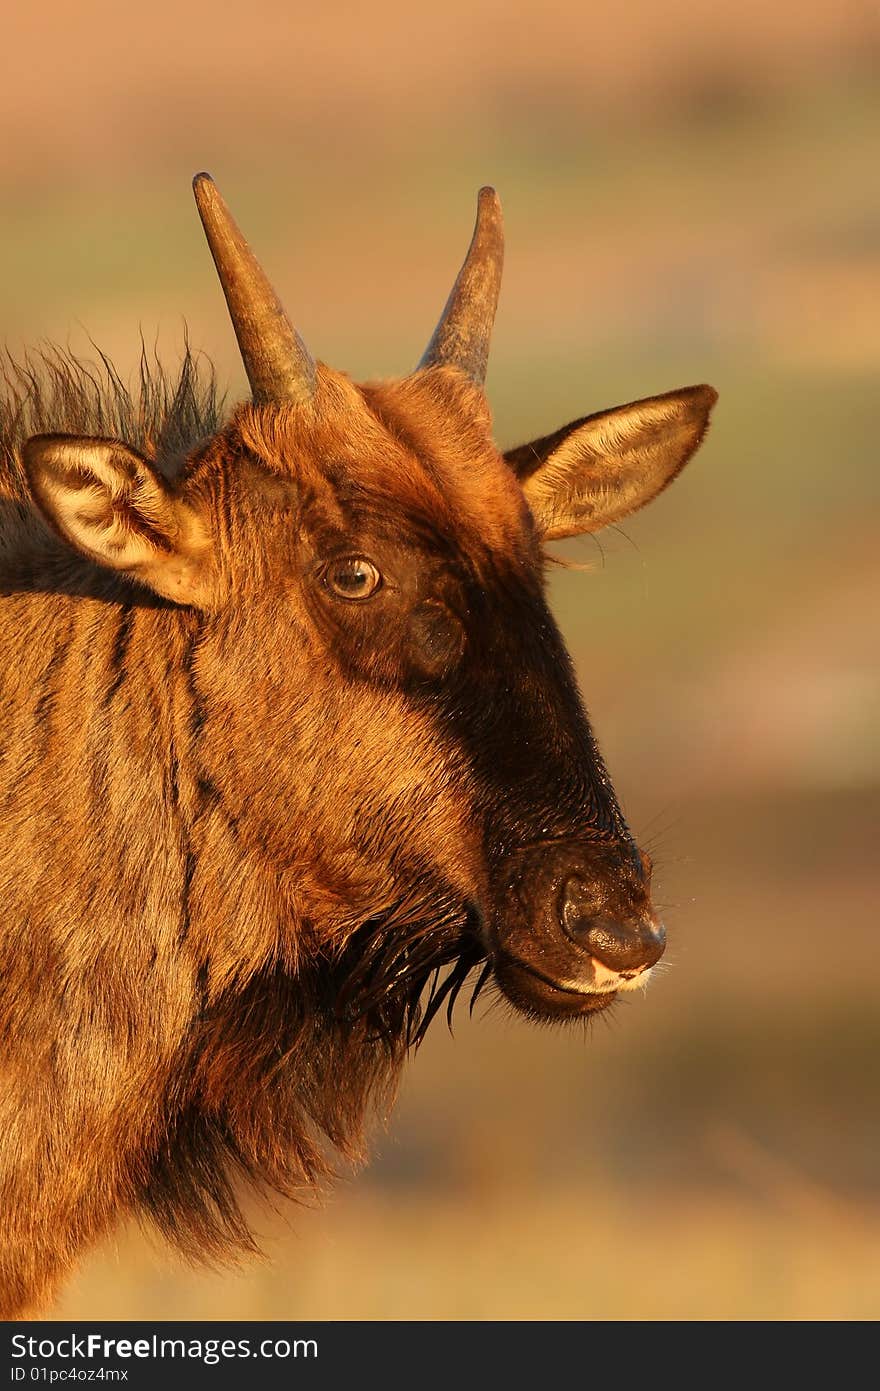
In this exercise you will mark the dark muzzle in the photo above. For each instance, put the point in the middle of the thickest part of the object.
(626, 945)
(573, 925)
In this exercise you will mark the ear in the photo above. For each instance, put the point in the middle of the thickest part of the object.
(112, 505)
(597, 470)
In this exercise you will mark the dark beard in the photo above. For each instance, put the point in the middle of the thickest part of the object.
(279, 1078)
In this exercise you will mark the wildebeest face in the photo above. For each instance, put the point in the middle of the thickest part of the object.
(387, 708)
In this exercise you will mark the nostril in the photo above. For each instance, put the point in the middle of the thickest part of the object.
(579, 907)
(621, 946)
(625, 947)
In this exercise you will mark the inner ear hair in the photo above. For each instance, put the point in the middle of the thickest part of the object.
(525, 459)
(110, 503)
(597, 470)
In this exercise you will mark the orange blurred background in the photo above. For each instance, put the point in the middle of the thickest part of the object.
(690, 194)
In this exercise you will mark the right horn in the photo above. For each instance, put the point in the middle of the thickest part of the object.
(275, 358)
(461, 338)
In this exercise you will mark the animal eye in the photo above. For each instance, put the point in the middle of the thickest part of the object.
(353, 577)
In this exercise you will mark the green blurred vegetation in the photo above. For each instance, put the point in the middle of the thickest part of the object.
(710, 212)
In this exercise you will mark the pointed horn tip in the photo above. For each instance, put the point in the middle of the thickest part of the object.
(490, 219)
(488, 202)
(206, 192)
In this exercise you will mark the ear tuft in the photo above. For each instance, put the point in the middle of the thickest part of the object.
(598, 470)
(109, 502)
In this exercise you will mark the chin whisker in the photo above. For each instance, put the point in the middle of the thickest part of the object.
(482, 979)
(390, 963)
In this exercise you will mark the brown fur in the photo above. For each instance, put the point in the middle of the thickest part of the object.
(167, 961)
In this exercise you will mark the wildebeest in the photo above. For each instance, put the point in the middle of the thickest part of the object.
(291, 748)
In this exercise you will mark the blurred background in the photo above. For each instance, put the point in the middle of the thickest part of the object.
(691, 194)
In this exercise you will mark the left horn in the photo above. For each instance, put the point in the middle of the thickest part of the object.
(276, 360)
(461, 338)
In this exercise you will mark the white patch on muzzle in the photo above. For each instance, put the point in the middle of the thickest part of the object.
(605, 980)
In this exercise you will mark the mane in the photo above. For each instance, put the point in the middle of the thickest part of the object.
(162, 413)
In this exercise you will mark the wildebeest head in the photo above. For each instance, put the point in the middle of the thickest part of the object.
(386, 709)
